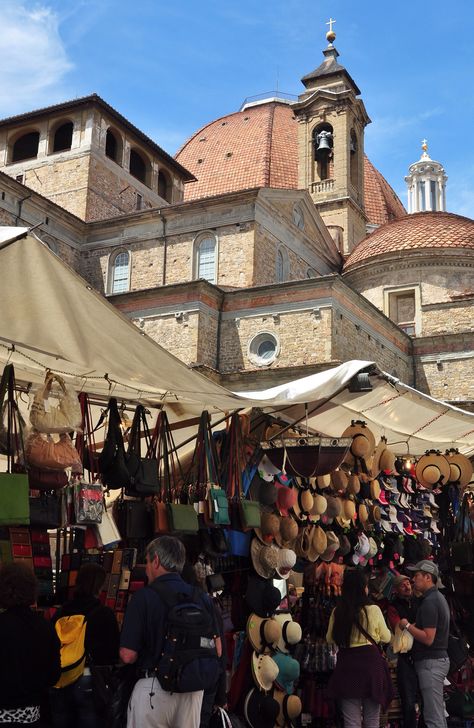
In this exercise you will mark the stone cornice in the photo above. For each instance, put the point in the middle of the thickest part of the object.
(406, 259)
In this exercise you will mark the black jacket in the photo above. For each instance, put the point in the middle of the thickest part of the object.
(29, 657)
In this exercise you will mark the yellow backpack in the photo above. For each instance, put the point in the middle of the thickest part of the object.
(71, 632)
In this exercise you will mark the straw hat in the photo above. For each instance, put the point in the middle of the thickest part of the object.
(260, 710)
(363, 440)
(460, 468)
(287, 533)
(270, 559)
(317, 543)
(303, 504)
(320, 505)
(380, 448)
(264, 670)
(374, 489)
(339, 480)
(332, 546)
(334, 507)
(263, 632)
(387, 461)
(290, 633)
(288, 671)
(348, 508)
(290, 707)
(324, 481)
(432, 469)
(363, 513)
(269, 527)
(353, 485)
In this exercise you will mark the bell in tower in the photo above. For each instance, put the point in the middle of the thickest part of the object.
(331, 122)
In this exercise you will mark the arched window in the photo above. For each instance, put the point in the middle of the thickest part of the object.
(281, 272)
(206, 261)
(62, 139)
(26, 147)
(119, 272)
(354, 158)
(139, 166)
(323, 142)
(113, 146)
(164, 186)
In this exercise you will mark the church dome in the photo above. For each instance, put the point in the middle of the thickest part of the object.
(258, 147)
(415, 232)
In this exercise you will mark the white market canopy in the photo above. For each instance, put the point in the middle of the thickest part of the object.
(52, 319)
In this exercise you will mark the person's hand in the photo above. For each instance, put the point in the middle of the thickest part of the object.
(403, 623)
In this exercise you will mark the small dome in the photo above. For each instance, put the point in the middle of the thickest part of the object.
(421, 230)
(258, 147)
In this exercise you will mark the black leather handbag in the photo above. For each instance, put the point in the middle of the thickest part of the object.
(143, 471)
(45, 511)
(112, 459)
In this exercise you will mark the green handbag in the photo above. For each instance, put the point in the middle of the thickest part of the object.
(219, 506)
(182, 518)
(249, 514)
(14, 500)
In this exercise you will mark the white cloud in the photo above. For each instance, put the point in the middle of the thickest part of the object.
(33, 58)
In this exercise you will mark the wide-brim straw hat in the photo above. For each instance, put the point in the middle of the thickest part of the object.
(332, 546)
(323, 481)
(374, 486)
(264, 558)
(320, 505)
(290, 707)
(339, 480)
(317, 543)
(333, 507)
(353, 485)
(363, 440)
(303, 504)
(290, 633)
(460, 468)
(269, 527)
(264, 670)
(263, 632)
(261, 710)
(432, 469)
(288, 532)
(387, 461)
(380, 448)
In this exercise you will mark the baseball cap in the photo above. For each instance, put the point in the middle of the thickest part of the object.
(428, 567)
(399, 579)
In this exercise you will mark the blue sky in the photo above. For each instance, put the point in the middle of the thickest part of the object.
(172, 67)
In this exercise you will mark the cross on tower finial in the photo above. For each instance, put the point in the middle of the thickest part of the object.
(331, 21)
(424, 145)
(330, 35)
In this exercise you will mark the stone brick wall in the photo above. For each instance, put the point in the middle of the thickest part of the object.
(452, 381)
(178, 337)
(64, 182)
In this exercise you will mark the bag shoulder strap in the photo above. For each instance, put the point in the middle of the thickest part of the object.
(366, 634)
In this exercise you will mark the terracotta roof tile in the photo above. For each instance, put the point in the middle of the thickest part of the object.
(415, 232)
(258, 147)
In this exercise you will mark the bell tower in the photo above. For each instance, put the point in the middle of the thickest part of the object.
(331, 122)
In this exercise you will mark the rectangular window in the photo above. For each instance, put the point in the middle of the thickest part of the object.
(434, 188)
(422, 196)
(207, 260)
(139, 202)
(402, 310)
(120, 273)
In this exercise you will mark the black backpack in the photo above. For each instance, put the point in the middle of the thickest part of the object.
(188, 660)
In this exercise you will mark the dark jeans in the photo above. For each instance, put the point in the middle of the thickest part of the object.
(73, 706)
(407, 688)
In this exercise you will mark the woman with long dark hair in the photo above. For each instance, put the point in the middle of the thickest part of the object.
(361, 680)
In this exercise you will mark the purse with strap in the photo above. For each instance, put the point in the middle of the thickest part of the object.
(62, 417)
(233, 454)
(112, 459)
(170, 476)
(143, 471)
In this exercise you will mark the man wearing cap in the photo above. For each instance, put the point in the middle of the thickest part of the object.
(404, 606)
(430, 633)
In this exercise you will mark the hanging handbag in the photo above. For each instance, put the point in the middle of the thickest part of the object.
(14, 503)
(143, 471)
(44, 452)
(85, 440)
(249, 510)
(43, 479)
(138, 519)
(462, 548)
(45, 511)
(88, 502)
(107, 529)
(112, 460)
(203, 479)
(65, 416)
(182, 518)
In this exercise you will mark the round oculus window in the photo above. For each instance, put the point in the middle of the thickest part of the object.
(263, 349)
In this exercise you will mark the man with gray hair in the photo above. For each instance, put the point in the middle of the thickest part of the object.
(430, 648)
(144, 639)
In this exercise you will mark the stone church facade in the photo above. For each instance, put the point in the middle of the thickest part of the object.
(268, 248)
